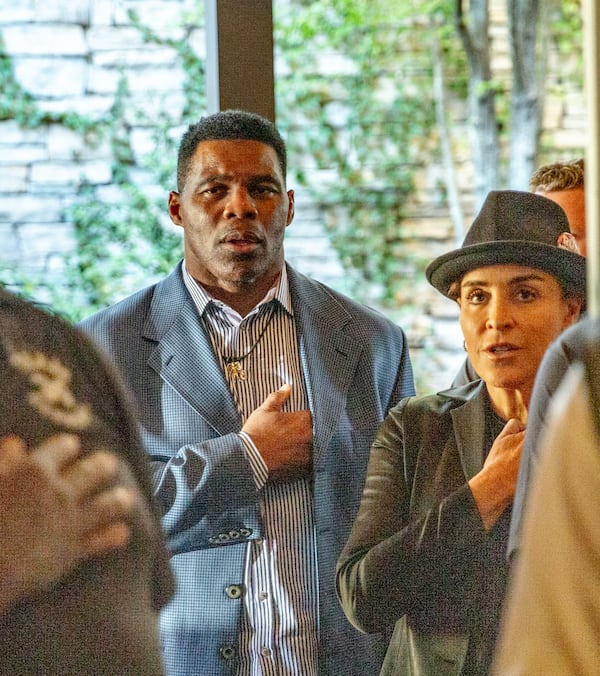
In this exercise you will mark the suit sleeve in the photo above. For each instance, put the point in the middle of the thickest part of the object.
(404, 386)
(203, 482)
(207, 495)
(398, 561)
(113, 408)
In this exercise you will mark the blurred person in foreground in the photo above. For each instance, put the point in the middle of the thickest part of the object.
(428, 548)
(83, 564)
(58, 509)
(552, 615)
(259, 392)
(563, 183)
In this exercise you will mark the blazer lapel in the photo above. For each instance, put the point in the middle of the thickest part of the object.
(183, 356)
(469, 431)
(327, 353)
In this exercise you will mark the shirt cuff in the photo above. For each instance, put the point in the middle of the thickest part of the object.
(257, 463)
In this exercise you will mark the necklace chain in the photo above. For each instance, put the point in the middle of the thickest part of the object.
(233, 363)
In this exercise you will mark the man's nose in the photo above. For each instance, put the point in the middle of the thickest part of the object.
(240, 204)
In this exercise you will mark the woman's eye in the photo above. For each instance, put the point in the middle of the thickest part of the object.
(526, 294)
(476, 297)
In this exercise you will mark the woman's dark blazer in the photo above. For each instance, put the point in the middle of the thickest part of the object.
(418, 551)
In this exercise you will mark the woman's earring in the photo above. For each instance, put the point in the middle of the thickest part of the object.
(465, 345)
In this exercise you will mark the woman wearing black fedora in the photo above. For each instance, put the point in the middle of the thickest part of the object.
(427, 552)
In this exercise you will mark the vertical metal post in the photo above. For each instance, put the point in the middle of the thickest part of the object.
(239, 56)
(591, 29)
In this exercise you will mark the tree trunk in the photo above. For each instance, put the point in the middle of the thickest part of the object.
(526, 95)
(473, 31)
(441, 115)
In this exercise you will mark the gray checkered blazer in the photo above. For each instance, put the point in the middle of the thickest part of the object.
(356, 366)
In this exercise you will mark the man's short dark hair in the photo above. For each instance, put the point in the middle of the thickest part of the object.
(228, 125)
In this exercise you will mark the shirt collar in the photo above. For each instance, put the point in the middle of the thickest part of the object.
(280, 291)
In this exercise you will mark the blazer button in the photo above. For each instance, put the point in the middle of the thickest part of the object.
(234, 591)
(227, 652)
(245, 532)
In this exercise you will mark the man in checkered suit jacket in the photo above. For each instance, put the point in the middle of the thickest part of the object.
(226, 468)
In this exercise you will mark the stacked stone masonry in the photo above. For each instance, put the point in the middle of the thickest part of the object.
(70, 55)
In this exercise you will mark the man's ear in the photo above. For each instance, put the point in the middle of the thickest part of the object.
(290, 215)
(175, 208)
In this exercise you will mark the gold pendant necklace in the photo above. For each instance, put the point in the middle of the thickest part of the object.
(235, 369)
(233, 364)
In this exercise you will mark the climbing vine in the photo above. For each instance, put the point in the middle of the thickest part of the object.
(122, 242)
(355, 104)
(17, 104)
(566, 30)
(366, 127)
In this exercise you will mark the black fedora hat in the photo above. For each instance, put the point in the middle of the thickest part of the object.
(516, 228)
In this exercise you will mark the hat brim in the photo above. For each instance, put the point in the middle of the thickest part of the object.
(567, 266)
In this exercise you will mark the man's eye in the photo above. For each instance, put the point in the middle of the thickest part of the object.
(264, 190)
(213, 190)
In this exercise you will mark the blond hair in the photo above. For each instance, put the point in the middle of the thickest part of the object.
(557, 176)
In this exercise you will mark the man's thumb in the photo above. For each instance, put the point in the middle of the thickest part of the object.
(277, 399)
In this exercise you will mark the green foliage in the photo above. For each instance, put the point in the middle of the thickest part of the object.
(193, 67)
(118, 249)
(566, 30)
(365, 124)
(19, 105)
(123, 244)
(354, 100)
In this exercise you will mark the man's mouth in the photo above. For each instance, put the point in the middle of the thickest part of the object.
(241, 242)
(241, 238)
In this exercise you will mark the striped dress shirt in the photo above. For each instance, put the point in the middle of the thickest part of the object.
(279, 629)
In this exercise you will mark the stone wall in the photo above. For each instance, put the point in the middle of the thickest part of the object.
(71, 55)
(435, 336)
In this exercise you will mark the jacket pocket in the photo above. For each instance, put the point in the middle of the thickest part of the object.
(413, 653)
